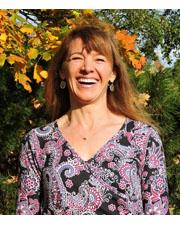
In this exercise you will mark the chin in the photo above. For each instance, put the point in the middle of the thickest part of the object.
(85, 101)
(85, 98)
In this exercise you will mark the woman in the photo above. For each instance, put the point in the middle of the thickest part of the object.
(99, 155)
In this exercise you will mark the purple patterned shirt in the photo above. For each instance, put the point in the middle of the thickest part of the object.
(127, 175)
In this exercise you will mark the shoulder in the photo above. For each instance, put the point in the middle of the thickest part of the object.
(42, 132)
(142, 130)
(139, 126)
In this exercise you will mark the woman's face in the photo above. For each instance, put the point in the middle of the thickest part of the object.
(87, 74)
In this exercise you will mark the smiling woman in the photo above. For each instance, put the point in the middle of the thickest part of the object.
(99, 155)
(87, 74)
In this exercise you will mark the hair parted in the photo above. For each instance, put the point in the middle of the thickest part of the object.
(121, 101)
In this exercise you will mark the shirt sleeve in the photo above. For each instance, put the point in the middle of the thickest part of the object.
(154, 178)
(28, 199)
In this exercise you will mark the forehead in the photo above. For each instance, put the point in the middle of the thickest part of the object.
(78, 45)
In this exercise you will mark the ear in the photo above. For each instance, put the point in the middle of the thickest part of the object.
(61, 74)
(112, 77)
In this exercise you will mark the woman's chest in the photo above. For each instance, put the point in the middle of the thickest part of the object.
(113, 173)
(87, 145)
(112, 163)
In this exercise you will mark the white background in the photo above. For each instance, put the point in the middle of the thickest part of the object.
(89, 4)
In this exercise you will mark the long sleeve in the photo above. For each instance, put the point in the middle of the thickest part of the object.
(154, 178)
(28, 202)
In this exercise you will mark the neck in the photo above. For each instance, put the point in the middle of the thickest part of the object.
(89, 116)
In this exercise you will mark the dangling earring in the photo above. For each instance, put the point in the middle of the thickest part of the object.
(111, 86)
(62, 84)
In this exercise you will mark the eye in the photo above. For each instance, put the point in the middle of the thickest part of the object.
(76, 58)
(100, 59)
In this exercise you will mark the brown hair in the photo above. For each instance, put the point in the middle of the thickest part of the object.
(121, 101)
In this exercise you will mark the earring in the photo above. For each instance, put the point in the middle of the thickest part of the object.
(62, 84)
(111, 86)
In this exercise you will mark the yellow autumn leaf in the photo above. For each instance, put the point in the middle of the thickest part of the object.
(136, 64)
(127, 41)
(35, 42)
(24, 80)
(87, 11)
(11, 180)
(44, 74)
(36, 75)
(176, 161)
(3, 37)
(32, 53)
(56, 29)
(1, 50)
(26, 29)
(27, 87)
(3, 13)
(59, 42)
(143, 99)
(76, 13)
(69, 21)
(53, 46)
(15, 58)
(2, 59)
(36, 103)
(51, 37)
(39, 73)
(136, 60)
(143, 60)
(139, 73)
(46, 56)
(121, 34)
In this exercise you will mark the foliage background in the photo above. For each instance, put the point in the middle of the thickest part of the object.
(28, 40)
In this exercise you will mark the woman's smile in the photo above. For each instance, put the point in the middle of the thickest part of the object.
(88, 73)
(87, 82)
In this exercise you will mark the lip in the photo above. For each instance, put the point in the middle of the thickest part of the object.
(91, 78)
(83, 85)
(86, 85)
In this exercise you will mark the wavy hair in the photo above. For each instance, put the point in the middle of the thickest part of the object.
(121, 101)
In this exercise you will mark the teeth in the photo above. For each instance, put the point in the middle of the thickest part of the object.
(87, 80)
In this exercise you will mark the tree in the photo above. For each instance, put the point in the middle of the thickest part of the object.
(155, 28)
(28, 43)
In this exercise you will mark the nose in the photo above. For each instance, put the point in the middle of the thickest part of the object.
(87, 66)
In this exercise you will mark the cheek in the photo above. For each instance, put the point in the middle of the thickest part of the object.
(69, 74)
(72, 71)
(70, 78)
(106, 73)
(105, 68)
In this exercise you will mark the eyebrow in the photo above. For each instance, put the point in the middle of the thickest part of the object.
(81, 53)
(75, 53)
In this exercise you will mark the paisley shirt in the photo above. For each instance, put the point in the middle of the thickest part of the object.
(127, 175)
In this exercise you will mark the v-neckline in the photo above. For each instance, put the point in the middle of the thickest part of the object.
(73, 150)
